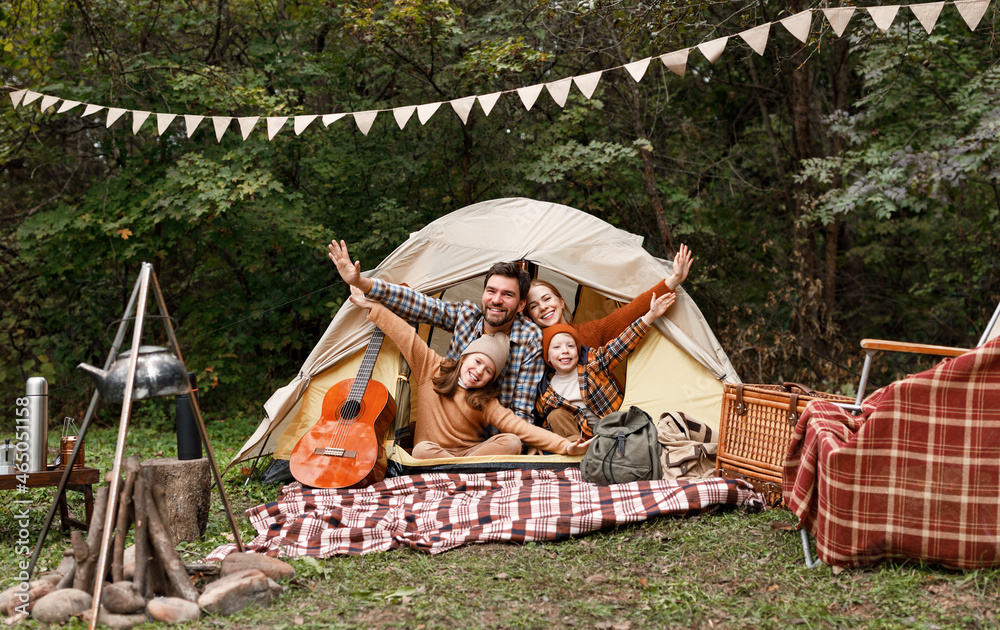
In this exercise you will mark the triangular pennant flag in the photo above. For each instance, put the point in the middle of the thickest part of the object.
(247, 124)
(191, 123)
(163, 121)
(365, 120)
(883, 16)
(972, 11)
(756, 37)
(713, 49)
(587, 83)
(487, 101)
(66, 106)
(425, 111)
(137, 119)
(676, 61)
(927, 14)
(463, 106)
(838, 18)
(403, 114)
(301, 122)
(274, 125)
(91, 109)
(331, 118)
(529, 95)
(30, 97)
(114, 113)
(559, 90)
(15, 97)
(798, 25)
(49, 101)
(638, 68)
(221, 123)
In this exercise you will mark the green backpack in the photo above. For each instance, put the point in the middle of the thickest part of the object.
(624, 449)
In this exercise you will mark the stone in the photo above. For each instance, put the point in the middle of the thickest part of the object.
(122, 598)
(187, 487)
(172, 610)
(117, 622)
(19, 601)
(273, 568)
(59, 606)
(15, 619)
(235, 592)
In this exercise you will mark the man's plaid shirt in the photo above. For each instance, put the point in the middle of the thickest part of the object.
(465, 320)
(597, 384)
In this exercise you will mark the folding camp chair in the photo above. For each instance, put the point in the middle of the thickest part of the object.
(871, 348)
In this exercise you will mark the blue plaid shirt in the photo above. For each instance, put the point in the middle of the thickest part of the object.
(465, 321)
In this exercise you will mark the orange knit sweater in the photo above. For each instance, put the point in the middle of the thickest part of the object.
(596, 333)
(449, 421)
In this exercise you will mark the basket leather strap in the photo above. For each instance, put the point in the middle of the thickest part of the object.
(793, 409)
(741, 407)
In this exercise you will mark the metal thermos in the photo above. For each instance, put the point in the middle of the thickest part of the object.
(38, 423)
(188, 436)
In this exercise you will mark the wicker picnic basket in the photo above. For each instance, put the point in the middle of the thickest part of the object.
(756, 429)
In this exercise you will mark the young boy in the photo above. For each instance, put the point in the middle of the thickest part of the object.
(582, 389)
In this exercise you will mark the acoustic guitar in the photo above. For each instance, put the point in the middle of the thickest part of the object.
(344, 449)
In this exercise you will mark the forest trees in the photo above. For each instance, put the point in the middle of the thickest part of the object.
(831, 190)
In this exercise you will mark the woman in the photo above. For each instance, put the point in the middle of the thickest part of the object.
(546, 306)
(457, 400)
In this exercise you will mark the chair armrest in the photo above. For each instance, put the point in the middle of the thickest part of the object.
(912, 348)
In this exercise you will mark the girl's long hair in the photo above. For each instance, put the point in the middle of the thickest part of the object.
(446, 384)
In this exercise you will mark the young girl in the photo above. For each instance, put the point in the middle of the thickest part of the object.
(457, 400)
(582, 390)
(546, 306)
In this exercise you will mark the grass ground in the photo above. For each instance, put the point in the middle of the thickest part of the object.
(726, 570)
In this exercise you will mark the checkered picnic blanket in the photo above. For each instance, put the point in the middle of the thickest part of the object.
(916, 475)
(437, 512)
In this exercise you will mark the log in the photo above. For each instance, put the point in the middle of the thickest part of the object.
(94, 538)
(141, 533)
(80, 553)
(69, 577)
(164, 548)
(123, 521)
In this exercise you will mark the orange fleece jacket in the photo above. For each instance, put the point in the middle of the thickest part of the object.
(599, 332)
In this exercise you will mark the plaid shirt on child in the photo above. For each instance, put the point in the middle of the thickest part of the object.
(597, 384)
(465, 320)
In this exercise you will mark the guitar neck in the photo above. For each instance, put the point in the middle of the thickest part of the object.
(367, 366)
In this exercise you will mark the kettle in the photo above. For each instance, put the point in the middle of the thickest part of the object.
(157, 373)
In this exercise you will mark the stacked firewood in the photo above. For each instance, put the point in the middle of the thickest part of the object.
(157, 584)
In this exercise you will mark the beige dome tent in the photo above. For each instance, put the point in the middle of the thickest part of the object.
(681, 367)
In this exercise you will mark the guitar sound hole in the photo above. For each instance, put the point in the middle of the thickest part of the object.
(350, 410)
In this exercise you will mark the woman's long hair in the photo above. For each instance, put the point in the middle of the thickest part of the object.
(446, 384)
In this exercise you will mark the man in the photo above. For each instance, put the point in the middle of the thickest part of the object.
(505, 292)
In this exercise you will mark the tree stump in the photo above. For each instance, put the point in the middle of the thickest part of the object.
(186, 486)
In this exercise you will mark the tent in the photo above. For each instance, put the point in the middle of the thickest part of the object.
(679, 367)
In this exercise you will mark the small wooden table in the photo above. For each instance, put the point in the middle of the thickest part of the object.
(80, 480)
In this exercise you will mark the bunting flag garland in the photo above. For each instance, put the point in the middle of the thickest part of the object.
(529, 95)
(463, 106)
(676, 61)
(713, 49)
(558, 90)
(798, 26)
(838, 19)
(488, 101)
(587, 83)
(163, 121)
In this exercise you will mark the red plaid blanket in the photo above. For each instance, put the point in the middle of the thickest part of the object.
(916, 475)
(437, 512)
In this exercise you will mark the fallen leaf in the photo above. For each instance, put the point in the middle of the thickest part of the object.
(501, 576)
(622, 625)
(773, 587)
(298, 620)
(597, 578)
(643, 583)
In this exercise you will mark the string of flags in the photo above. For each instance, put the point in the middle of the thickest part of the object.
(798, 25)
